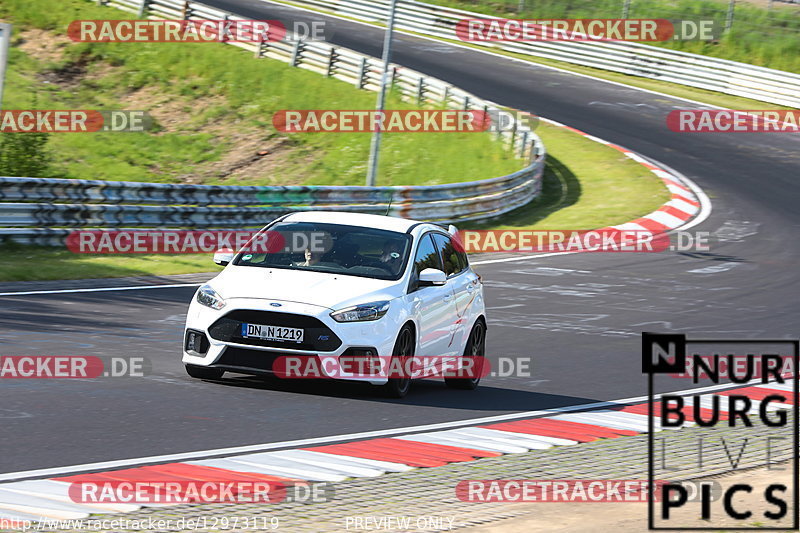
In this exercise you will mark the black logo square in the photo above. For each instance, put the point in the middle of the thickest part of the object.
(663, 353)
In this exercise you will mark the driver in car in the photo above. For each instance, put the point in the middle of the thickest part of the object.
(391, 256)
(312, 258)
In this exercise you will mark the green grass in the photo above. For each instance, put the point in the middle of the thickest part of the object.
(224, 90)
(586, 186)
(36, 263)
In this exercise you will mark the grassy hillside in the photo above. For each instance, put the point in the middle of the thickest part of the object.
(213, 105)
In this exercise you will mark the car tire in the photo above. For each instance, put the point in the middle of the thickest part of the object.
(204, 372)
(476, 346)
(403, 349)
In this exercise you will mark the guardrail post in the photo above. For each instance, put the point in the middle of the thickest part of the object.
(186, 12)
(729, 16)
(5, 44)
(143, 8)
(524, 143)
(296, 51)
(466, 102)
(261, 49)
(102, 2)
(331, 61)
(420, 90)
(362, 72)
(626, 8)
(393, 80)
(446, 95)
(225, 35)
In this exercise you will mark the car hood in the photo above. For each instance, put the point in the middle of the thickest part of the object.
(333, 291)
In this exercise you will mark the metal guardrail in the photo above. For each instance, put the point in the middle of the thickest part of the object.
(693, 70)
(41, 202)
(37, 210)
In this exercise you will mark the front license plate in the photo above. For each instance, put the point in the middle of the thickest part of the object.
(272, 333)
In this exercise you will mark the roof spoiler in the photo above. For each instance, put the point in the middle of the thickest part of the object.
(451, 229)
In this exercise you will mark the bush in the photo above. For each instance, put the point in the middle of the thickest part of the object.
(24, 154)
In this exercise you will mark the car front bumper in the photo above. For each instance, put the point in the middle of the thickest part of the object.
(221, 345)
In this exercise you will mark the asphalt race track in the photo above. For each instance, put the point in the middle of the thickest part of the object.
(578, 316)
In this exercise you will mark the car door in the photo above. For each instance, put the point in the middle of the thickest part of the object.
(464, 284)
(432, 305)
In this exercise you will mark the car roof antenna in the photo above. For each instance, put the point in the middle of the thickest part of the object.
(388, 207)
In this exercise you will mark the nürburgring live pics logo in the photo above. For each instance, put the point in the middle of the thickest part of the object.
(767, 378)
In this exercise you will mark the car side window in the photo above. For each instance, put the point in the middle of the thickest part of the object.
(454, 262)
(462, 257)
(427, 256)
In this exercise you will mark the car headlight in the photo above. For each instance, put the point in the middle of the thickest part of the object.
(209, 297)
(360, 313)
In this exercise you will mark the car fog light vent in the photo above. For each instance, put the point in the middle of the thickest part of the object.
(196, 342)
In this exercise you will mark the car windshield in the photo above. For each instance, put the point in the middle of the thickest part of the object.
(331, 248)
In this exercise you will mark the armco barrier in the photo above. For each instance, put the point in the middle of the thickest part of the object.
(37, 210)
(704, 72)
(38, 216)
(51, 203)
(43, 210)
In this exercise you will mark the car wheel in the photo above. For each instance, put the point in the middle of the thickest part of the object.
(203, 372)
(403, 349)
(476, 345)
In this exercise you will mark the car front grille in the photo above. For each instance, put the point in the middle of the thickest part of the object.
(246, 360)
(317, 336)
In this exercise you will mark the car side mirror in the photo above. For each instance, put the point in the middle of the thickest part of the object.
(432, 276)
(223, 257)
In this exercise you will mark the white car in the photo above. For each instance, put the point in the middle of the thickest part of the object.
(376, 286)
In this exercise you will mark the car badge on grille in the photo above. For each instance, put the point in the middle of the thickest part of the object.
(274, 304)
